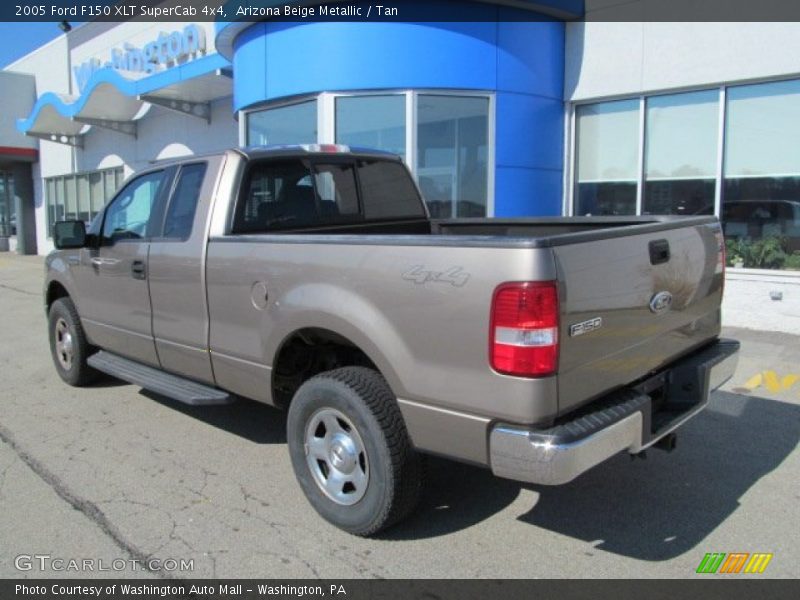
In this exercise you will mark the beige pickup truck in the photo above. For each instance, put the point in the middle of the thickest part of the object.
(312, 278)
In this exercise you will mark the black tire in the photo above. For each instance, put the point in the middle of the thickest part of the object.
(394, 469)
(63, 318)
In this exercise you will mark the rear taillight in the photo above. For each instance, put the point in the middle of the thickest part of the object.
(523, 336)
(721, 257)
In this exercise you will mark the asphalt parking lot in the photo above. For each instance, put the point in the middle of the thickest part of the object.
(111, 472)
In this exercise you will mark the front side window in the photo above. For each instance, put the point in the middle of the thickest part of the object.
(607, 138)
(128, 216)
(295, 124)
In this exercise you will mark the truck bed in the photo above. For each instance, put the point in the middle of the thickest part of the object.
(604, 270)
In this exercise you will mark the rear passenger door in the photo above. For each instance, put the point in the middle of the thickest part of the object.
(177, 281)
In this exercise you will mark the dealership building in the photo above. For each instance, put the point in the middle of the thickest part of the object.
(519, 111)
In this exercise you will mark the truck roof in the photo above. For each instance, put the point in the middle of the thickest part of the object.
(251, 152)
(281, 150)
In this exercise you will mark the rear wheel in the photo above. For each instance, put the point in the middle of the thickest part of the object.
(351, 452)
(68, 344)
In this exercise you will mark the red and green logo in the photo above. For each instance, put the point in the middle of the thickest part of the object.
(734, 562)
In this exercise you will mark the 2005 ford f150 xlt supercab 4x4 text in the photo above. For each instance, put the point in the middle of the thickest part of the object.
(312, 278)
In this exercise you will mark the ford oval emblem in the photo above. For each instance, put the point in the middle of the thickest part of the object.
(661, 302)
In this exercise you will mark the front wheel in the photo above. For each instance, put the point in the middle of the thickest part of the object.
(68, 344)
(351, 452)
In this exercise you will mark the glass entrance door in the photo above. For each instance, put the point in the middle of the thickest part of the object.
(8, 221)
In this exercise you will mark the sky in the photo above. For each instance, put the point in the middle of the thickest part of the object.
(20, 38)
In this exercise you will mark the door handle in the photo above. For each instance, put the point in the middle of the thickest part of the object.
(137, 269)
(98, 261)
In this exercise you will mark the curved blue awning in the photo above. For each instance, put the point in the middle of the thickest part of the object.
(112, 100)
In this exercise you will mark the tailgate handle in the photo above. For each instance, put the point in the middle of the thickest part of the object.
(659, 252)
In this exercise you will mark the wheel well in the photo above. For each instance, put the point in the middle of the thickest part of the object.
(307, 352)
(55, 291)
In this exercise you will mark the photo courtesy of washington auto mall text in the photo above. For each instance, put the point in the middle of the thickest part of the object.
(199, 590)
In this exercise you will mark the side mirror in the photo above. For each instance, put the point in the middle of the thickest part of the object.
(69, 234)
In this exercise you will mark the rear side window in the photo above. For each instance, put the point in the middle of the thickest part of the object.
(388, 191)
(183, 204)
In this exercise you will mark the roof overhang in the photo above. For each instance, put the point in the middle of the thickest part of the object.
(116, 100)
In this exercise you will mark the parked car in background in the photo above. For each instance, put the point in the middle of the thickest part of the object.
(758, 219)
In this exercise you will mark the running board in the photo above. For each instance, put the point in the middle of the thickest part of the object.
(155, 380)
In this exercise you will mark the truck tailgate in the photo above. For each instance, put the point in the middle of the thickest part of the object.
(632, 304)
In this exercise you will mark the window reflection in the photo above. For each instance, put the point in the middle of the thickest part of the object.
(607, 162)
(295, 124)
(452, 154)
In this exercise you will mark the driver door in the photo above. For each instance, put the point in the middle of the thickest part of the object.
(115, 307)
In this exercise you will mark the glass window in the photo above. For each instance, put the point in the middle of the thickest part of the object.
(681, 153)
(607, 138)
(336, 190)
(96, 194)
(295, 124)
(389, 192)
(79, 196)
(373, 122)
(183, 204)
(84, 199)
(128, 216)
(761, 193)
(270, 185)
(452, 154)
(71, 204)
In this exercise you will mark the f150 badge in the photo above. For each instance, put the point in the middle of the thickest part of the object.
(420, 275)
(585, 326)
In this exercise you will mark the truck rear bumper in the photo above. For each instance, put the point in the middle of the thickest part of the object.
(631, 420)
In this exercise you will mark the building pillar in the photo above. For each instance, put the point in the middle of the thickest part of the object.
(25, 207)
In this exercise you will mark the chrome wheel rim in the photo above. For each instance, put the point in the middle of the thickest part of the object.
(65, 345)
(336, 456)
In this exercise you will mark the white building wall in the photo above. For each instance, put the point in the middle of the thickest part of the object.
(764, 300)
(621, 59)
(162, 134)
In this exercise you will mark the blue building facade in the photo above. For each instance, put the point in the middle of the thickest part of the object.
(478, 106)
